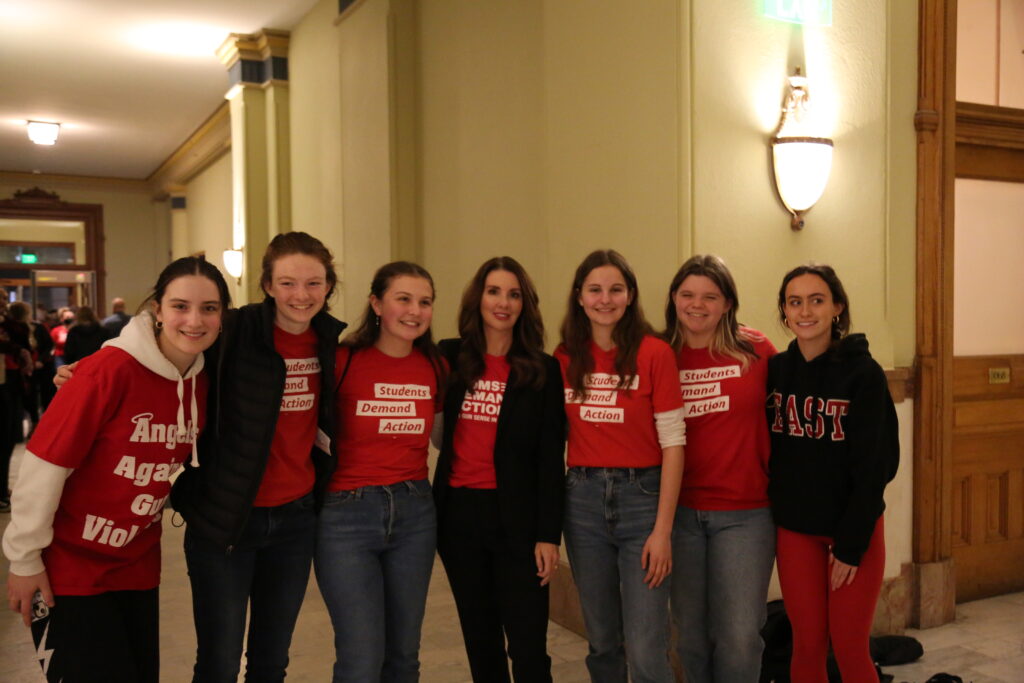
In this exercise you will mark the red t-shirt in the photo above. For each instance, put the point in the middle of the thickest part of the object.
(615, 427)
(59, 335)
(727, 442)
(290, 473)
(115, 424)
(477, 428)
(385, 410)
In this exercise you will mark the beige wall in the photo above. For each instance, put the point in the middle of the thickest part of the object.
(546, 128)
(988, 282)
(990, 63)
(136, 229)
(208, 210)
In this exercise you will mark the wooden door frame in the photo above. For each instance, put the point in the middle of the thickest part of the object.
(934, 594)
(38, 204)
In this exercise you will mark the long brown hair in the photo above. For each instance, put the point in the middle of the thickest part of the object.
(526, 353)
(368, 332)
(729, 339)
(629, 332)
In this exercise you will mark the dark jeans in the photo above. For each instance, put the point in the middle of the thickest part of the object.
(269, 568)
(496, 588)
(112, 637)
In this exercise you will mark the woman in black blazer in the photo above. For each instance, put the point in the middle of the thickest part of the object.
(499, 482)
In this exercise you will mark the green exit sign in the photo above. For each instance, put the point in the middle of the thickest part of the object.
(816, 12)
(29, 258)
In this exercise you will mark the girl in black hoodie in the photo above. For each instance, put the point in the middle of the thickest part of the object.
(834, 448)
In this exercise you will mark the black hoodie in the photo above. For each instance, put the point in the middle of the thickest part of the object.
(835, 444)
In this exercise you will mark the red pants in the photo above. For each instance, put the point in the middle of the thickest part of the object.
(819, 613)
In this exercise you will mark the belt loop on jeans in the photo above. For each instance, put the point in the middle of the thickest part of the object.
(410, 487)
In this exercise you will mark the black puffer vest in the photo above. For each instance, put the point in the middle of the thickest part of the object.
(246, 384)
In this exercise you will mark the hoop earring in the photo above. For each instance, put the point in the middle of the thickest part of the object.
(835, 320)
(159, 325)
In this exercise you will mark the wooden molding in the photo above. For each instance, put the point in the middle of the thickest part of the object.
(41, 205)
(990, 126)
(901, 383)
(207, 144)
(989, 142)
(933, 386)
(79, 182)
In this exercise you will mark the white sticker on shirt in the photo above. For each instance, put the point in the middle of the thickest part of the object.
(295, 385)
(691, 391)
(389, 426)
(393, 391)
(599, 414)
(719, 404)
(603, 380)
(294, 402)
(302, 366)
(385, 408)
(709, 374)
(597, 398)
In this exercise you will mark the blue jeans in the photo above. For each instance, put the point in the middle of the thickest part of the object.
(721, 565)
(269, 568)
(374, 554)
(609, 513)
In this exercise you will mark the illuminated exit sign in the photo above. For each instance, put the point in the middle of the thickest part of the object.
(29, 258)
(816, 12)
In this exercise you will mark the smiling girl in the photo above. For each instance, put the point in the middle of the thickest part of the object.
(724, 537)
(85, 527)
(377, 530)
(834, 447)
(626, 436)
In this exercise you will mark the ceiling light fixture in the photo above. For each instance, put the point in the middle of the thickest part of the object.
(42, 132)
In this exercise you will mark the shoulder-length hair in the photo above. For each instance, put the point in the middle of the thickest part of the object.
(629, 332)
(729, 339)
(368, 332)
(841, 323)
(525, 356)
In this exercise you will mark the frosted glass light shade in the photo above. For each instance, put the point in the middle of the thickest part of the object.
(233, 262)
(802, 167)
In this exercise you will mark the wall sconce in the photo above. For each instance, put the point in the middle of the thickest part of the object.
(802, 163)
(233, 259)
(42, 133)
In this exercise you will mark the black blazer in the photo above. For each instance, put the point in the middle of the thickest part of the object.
(528, 452)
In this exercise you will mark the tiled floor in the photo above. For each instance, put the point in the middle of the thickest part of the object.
(984, 645)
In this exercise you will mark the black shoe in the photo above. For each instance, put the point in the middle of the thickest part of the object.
(5, 505)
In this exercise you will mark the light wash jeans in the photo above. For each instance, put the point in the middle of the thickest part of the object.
(374, 555)
(609, 513)
(721, 565)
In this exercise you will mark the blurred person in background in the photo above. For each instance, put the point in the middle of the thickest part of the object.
(86, 336)
(116, 321)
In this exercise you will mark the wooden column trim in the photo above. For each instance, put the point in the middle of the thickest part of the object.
(935, 122)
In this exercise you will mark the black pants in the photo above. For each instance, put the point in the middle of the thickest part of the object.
(10, 426)
(107, 638)
(497, 590)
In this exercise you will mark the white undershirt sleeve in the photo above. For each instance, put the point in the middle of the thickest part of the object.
(34, 502)
(671, 428)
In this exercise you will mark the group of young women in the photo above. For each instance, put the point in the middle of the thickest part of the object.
(297, 450)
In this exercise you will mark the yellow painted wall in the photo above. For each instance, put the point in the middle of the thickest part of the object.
(136, 228)
(544, 129)
(208, 210)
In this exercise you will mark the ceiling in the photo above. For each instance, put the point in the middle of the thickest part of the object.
(129, 80)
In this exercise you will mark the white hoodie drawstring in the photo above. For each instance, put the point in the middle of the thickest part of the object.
(195, 423)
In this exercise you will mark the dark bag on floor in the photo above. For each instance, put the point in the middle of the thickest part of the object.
(894, 650)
